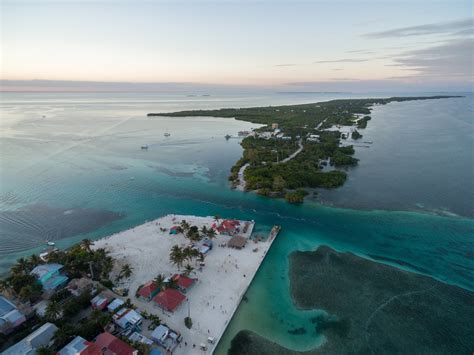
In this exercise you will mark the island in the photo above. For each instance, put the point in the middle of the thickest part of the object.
(299, 147)
(170, 285)
(372, 308)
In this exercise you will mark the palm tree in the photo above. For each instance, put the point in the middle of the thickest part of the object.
(159, 281)
(4, 286)
(53, 310)
(172, 283)
(34, 261)
(177, 256)
(184, 225)
(21, 267)
(126, 271)
(188, 269)
(211, 233)
(86, 244)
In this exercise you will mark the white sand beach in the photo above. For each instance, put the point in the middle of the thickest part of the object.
(220, 287)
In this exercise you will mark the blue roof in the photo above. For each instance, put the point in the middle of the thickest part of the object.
(48, 275)
(45, 269)
(5, 306)
(155, 352)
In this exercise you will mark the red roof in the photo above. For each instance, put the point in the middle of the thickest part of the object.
(110, 344)
(147, 290)
(183, 282)
(92, 349)
(169, 299)
(228, 225)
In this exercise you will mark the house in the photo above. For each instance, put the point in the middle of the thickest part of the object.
(203, 246)
(183, 282)
(39, 338)
(99, 302)
(139, 338)
(104, 344)
(167, 338)
(169, 299)
(108, 344)
(228, 226)
(275, 125)
(48, 276)
(115, 305)
(10, 316)
(127, 318)
(148, 290)
(77, 346)
(237, 242)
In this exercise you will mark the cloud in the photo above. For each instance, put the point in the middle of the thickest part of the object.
(344, 60)
(286, 65)
(459, 27)
(448, 60)
(361, 51)
(337, 69)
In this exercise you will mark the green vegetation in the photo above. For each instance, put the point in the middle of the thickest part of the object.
(64, 309)
(306, 123)
(188, 322)
(356, 135)
(296, 196)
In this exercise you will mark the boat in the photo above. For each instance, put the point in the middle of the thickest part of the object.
(144, 147)
(51, 244)
(167, 134)
(228, 136)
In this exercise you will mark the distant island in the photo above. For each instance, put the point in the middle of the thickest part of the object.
(372, 308)
(300, 146)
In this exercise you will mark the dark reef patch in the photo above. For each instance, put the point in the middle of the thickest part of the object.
(297, 331)
(32, 225)
(373, 309)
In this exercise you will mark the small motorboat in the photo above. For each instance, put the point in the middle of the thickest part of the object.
(51, 244)
(144, 147)
(227, 136)
(167, 134)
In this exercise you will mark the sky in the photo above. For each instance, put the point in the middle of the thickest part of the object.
(286, 45)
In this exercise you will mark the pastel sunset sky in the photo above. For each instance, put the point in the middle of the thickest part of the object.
(301, 45)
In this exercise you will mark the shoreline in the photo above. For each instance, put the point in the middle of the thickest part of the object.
(220, 286)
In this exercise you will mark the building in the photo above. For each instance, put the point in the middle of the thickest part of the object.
(39, 338)
(237, 242)
(99, 302)
(10, 316)
(77, 346)
(140, 338)
(104, 344)
(115, 305)
(275, 126)
(167, 338)
(148, 290)
(183, 282)
(169, 299)
(49, 276)
(127, 318)
(228, 226)
(108, 344)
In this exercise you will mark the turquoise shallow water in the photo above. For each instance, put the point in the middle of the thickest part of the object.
(79, 172)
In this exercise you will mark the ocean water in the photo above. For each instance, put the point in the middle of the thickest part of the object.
(71, 167)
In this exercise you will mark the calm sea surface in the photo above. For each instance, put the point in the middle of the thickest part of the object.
(71, 167)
